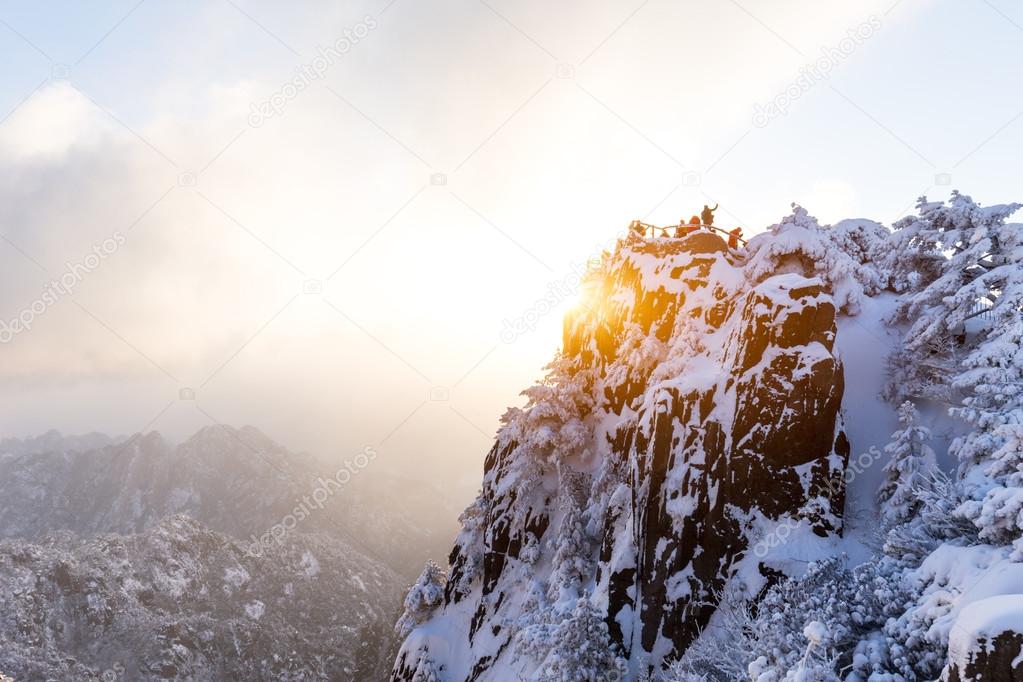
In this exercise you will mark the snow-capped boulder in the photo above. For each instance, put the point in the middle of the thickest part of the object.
(986, 644)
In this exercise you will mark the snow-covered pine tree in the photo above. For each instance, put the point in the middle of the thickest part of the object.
(571, 564)
(551, 424)
(993, 450)
(551, 429)
(582, 650)
(936, 521)
(914, 256)
(954, 259)
(426, 595)
(911, 461)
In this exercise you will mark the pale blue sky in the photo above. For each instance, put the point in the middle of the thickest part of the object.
(553, 126)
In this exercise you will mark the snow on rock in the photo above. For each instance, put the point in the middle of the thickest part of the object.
(799, 244)
(310, 566)
(777, 464)
(985, 619)
(696, 403)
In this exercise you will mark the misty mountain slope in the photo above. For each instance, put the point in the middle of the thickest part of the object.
(795, 461)
(236, 481)
(54, 441)
(220, 478)
(180, 601)
(248, 493)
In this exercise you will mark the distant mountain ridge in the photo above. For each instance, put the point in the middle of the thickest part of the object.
(226, 556)
(55, 441)
(237, 481)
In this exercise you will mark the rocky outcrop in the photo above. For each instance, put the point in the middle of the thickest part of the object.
(986, 643)
(692, 409)
(763, 439)
(997, 660)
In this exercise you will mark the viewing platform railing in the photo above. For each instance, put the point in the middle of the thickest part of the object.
(687, 228)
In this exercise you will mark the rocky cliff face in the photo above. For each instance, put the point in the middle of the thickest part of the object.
(695, 407)
(997, 660)
(985, 642)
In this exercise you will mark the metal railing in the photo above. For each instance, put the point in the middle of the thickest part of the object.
(687, 228)
(983, 310)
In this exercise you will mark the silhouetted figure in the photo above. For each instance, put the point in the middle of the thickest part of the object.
(636, 229)
(733, 238)
(708, 214)
(694, 225)
(680, 229)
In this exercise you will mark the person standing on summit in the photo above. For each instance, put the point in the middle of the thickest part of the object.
(708, 214)
(733, 238)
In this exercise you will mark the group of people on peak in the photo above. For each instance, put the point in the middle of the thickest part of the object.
(696, 223)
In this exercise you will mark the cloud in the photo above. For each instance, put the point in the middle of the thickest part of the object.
(320, 186)
(48, 124)
(426, 274)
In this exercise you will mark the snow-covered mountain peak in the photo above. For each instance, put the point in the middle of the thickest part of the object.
(692, 495)
(694, 403)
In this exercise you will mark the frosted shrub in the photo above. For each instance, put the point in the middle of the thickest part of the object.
(804, 628)
(425, 596)
(572, 563)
